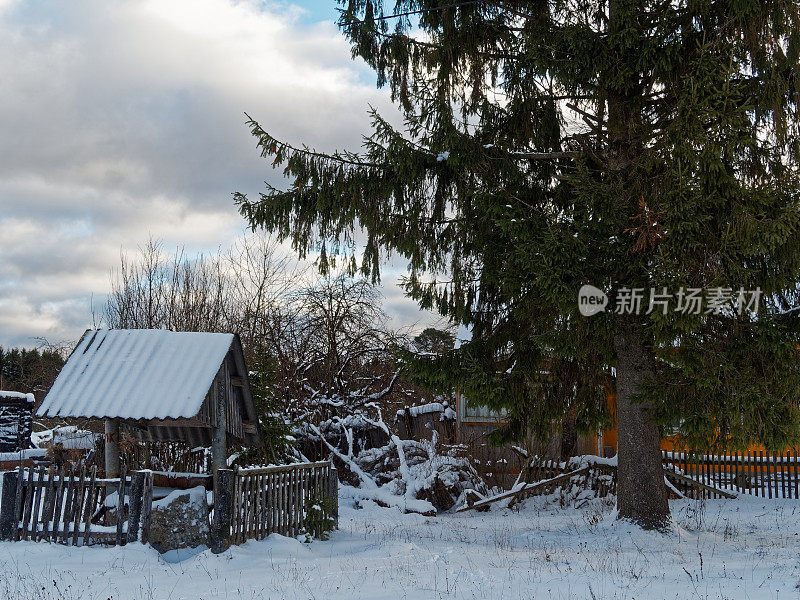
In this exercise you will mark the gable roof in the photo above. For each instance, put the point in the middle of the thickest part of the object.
(137, 374)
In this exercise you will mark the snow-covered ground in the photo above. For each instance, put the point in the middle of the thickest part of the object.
(744, 548)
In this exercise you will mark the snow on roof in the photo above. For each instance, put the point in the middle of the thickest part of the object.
(137, 374)
(7, 394)
(424, 409)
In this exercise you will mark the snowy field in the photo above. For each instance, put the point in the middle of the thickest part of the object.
(744, 548)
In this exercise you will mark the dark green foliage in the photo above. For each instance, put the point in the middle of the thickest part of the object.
(551, 144)
(270, 407)
(434, 341)
(318, 521)
(28, 371)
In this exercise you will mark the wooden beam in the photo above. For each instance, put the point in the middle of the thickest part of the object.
(182, 422)
(237, 381)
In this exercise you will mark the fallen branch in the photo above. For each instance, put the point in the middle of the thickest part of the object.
(695, 483)
(347, 460)
(528, 487)
(673, 489)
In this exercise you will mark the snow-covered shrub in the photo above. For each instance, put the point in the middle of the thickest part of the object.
(318, 521)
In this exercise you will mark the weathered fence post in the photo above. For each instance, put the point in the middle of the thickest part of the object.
(333, 493)
(136, 495)
(223, 510)
(8, 516)
(121, 539)
(147, 505)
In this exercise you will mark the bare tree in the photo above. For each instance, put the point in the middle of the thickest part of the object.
(261, 280)
(236, 291)
(158, 291)
(338, 346)
(321, 350)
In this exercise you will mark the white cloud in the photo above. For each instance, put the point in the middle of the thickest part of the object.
(124, 120)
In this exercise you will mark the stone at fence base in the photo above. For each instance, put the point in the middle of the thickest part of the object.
(180, 520)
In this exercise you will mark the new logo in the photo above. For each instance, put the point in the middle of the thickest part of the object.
(591, 300)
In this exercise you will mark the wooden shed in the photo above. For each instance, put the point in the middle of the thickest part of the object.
(16, 417)
(159, 385)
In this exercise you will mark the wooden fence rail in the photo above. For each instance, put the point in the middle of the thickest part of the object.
(289, 499)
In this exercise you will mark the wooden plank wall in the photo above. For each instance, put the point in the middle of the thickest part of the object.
(277, 500)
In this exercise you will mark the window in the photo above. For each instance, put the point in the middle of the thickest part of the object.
(482, 413)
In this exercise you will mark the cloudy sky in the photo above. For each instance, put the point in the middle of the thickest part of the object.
(123, 119)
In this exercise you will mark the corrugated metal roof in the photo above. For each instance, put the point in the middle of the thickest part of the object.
(137, 374)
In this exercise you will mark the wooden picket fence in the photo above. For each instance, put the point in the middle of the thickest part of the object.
(757, 473)
(762, 474)
(70, 505)
(288, 500)
(67, 506)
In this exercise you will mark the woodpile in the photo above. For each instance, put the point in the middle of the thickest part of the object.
(16, 413)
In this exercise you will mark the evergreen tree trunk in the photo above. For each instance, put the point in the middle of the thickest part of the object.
(641, 493)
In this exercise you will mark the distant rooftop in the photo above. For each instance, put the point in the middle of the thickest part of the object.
(20, 395)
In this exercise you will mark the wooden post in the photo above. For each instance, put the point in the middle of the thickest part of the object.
(219, 446)
(223, 510)
(59, 505)
(8, 516)
(147, 506)
(135, 513)
(112, 448)
(38, 492)
(26, 514)
(784, 472)
(333, 493)
(120, 506)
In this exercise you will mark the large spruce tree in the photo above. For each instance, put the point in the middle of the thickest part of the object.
(552, 144)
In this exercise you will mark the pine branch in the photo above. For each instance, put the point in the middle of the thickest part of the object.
(271, 146)
(421, 10)
(546, 155)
